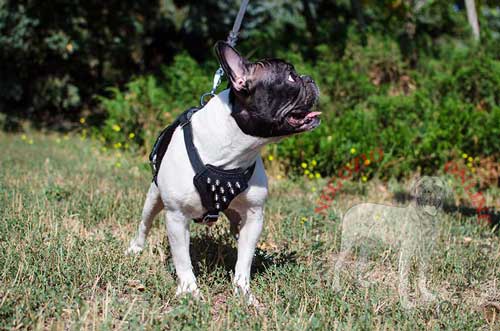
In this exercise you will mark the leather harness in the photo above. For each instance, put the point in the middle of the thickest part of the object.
(217, 187)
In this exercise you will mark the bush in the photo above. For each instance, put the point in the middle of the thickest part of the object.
(419, 118)
(136, 115)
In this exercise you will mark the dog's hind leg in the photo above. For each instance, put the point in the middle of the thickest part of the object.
(152, 207)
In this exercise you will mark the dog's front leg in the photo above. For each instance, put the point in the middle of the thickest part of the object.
(178, 237)
(251, 227)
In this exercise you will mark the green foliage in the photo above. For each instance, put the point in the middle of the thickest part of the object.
(136, 115)
(419, 118)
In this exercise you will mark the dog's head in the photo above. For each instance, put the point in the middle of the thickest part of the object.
(430, 194)
(270, 98)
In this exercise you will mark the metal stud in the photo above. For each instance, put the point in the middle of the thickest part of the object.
(221, 189)
(217, 206)
(229, 184)
(238, 185)
(217, 182)
(224, 199)
(231, 190)
(209, 180)
(212, 188)
(216, 197)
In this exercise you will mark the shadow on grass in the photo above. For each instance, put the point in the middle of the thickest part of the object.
(210, 254)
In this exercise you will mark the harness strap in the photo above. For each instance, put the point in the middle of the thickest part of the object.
(192, 151)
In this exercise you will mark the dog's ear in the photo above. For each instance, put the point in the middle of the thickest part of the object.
(234, 65)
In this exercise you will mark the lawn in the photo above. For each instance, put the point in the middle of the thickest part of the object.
(68, 211)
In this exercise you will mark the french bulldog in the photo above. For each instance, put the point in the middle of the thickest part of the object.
(266, 101)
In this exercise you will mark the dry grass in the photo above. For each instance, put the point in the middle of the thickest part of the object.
(67, 214)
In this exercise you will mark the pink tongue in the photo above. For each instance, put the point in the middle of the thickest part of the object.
(313, 114)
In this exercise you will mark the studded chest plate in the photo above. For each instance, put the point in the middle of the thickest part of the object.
(219, 187)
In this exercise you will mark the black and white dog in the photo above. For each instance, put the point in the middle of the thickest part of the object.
(267, 101)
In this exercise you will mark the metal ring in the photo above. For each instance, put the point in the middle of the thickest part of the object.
(203, 96)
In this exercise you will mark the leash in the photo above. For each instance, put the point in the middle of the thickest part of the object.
(231, 40)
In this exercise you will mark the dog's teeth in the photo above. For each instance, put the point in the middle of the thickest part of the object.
(221, 190)
(209, 180)
(237, 185)
(212, 188)
(217, 182)
(216, 197)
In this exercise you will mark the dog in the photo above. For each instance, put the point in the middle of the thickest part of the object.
(412, 228)
(266, 101)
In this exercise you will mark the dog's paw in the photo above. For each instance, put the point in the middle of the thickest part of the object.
(248, 297)
(191, 289)
(133, 249)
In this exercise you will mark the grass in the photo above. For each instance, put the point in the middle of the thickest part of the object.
(68, 212)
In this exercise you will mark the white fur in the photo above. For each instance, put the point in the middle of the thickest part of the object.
(220, 142)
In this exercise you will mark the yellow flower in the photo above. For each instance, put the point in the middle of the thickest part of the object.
(101, 138)
(104, 149)
(82, 120)
(303, 220)
(311, 176)
(353, 150)
(303, 165)
(313, 189)
(66, 137)
(464, 155)
(30, 142)
(69, 47)
(118, 165)
(116, 128)
(469, 165)
(473, 170)
(118, 145)
(131, 135)
(364, 179)
(118, 155)
(470, 159)
(476, 159)
(307, 172)
(279, 177)
(270, 157)
(126, 146)
(23, 137)
(367, 162)
(58, 140)
(314, 163)
(317, 175)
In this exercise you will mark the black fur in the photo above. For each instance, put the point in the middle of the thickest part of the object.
(262, 108)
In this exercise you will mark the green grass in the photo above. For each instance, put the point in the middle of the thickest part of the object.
(68, 212)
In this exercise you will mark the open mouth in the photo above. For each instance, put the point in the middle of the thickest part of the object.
(303, 121)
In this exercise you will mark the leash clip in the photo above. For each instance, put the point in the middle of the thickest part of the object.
(217, 79)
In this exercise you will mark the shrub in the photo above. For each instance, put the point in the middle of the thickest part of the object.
(146, 106)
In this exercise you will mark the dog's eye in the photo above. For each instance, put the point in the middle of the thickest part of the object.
(290, 78)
